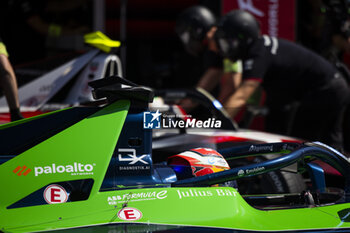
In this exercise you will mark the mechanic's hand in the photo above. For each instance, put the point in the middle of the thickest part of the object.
(341, 43)
(227, 87)
(188, 104)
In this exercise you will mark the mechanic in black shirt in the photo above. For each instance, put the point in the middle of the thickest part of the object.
(288, 73)
(195, 27)
(8, 83)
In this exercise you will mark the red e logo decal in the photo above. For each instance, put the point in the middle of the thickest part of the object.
(129, 214)
(55, 194)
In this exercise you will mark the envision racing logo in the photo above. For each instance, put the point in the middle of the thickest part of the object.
(22, 170)
(129, 155)
(240, 173)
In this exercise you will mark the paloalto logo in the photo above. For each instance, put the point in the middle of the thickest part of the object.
(74, 169)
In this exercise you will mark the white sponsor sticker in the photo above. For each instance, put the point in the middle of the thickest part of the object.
(129, 214)
(74, 169)
(54, 194)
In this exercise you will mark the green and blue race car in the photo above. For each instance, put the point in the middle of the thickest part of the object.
(90, 169)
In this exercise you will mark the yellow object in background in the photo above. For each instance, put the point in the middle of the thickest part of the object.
(3, 49)
(101, 41)
(232, 67)
(55, 30)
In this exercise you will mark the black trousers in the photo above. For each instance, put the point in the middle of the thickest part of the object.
(316, 116)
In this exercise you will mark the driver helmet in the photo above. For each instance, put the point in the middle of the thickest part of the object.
(197, 162)
(192, 26)
(236, 32)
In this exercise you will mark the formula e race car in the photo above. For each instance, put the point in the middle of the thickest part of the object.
(67, 86)
(43, 88)
(169, 140)
(91, 169)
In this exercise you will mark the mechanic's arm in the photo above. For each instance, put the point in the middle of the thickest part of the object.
(240, 97)
(210, 79)
(229, 84)
(45, 28)
(230, 80)
(236, 79)
(8, 83)
(341, 43)
(212, 76)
